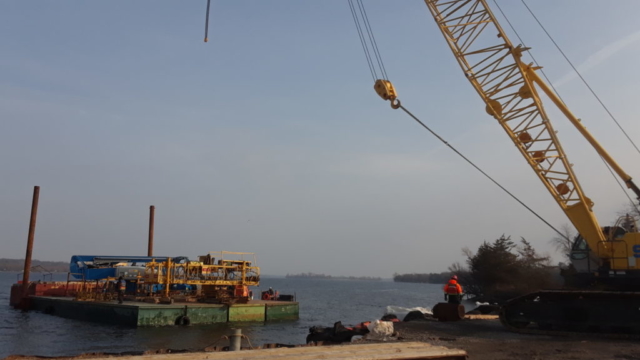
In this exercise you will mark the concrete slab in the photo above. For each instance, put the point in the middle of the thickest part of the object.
(374, 351)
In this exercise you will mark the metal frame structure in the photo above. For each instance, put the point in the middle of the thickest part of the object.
(494, 67)
(211, 277)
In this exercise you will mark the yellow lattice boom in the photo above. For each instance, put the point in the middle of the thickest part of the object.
(495, 69)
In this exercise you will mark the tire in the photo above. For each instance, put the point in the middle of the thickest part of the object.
(183, 320)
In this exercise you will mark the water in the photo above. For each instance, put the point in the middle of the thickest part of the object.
(322, 302)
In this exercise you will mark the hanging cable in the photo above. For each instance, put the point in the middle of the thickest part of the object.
(581, 77)
(372, 39)
(395, 103)
(206, 22)
(399, 106)
(621, 186)
(368, 40)
(362, 40)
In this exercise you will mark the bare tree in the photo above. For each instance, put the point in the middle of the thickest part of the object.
(563, 243)
(630, 209)
(457, 268)
(467, 252)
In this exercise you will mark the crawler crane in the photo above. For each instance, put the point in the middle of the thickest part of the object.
(605, 258)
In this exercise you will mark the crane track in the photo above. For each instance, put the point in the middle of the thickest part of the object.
(598, 335)
(634, 296)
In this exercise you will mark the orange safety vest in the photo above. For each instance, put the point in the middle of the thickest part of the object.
(453, 288)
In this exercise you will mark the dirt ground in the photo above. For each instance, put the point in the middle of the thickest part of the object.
(485, 340)
(489, 340)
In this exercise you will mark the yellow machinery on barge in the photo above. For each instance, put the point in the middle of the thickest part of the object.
(224, 281)
(218, 277)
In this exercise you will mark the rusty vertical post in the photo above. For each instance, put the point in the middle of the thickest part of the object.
(32, 232)
(167, 278)
(152, 210)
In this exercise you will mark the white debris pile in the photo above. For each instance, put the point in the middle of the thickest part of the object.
(380, 330)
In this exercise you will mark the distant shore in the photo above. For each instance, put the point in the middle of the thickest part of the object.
(36, 265)
(330, 277)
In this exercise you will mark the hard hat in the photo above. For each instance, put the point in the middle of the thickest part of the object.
(455, 277)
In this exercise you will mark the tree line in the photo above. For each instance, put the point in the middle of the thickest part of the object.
(323, 276)
(431, 278)
(18, 265)
(503, 269)
(497, 271)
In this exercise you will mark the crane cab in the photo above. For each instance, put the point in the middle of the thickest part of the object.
(614, 261)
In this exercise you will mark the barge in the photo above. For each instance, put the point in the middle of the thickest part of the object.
(159, 291)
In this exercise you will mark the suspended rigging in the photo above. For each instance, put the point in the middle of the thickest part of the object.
(386, 90)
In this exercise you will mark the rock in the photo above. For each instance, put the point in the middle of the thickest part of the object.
(389, 317)
(319, 333)
(416, 316)
(334, 335)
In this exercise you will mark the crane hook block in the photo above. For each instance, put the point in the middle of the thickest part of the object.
(385, 89)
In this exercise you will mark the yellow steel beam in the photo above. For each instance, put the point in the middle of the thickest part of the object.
(583, 130)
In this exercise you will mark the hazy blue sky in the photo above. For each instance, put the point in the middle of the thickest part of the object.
(270, 139)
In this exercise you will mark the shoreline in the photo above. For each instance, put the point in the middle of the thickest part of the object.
(482, 339)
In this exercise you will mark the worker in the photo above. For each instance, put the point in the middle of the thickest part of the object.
(453, 291)
(271, 293)
(121, 286)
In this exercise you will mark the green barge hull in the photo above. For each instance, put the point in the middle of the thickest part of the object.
(137, 314)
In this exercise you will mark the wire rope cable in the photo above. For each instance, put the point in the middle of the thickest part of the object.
(482, 171)
(363, 42)
(372, 39)
(368, 40)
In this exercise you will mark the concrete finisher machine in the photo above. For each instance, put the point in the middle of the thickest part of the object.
(604, 293)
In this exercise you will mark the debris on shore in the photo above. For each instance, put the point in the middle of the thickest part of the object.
(382, 329)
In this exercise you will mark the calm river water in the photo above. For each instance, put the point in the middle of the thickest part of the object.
(322, 302)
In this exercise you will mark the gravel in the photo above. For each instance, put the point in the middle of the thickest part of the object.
(489, 340)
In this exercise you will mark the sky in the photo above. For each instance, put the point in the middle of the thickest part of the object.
(270, 139)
